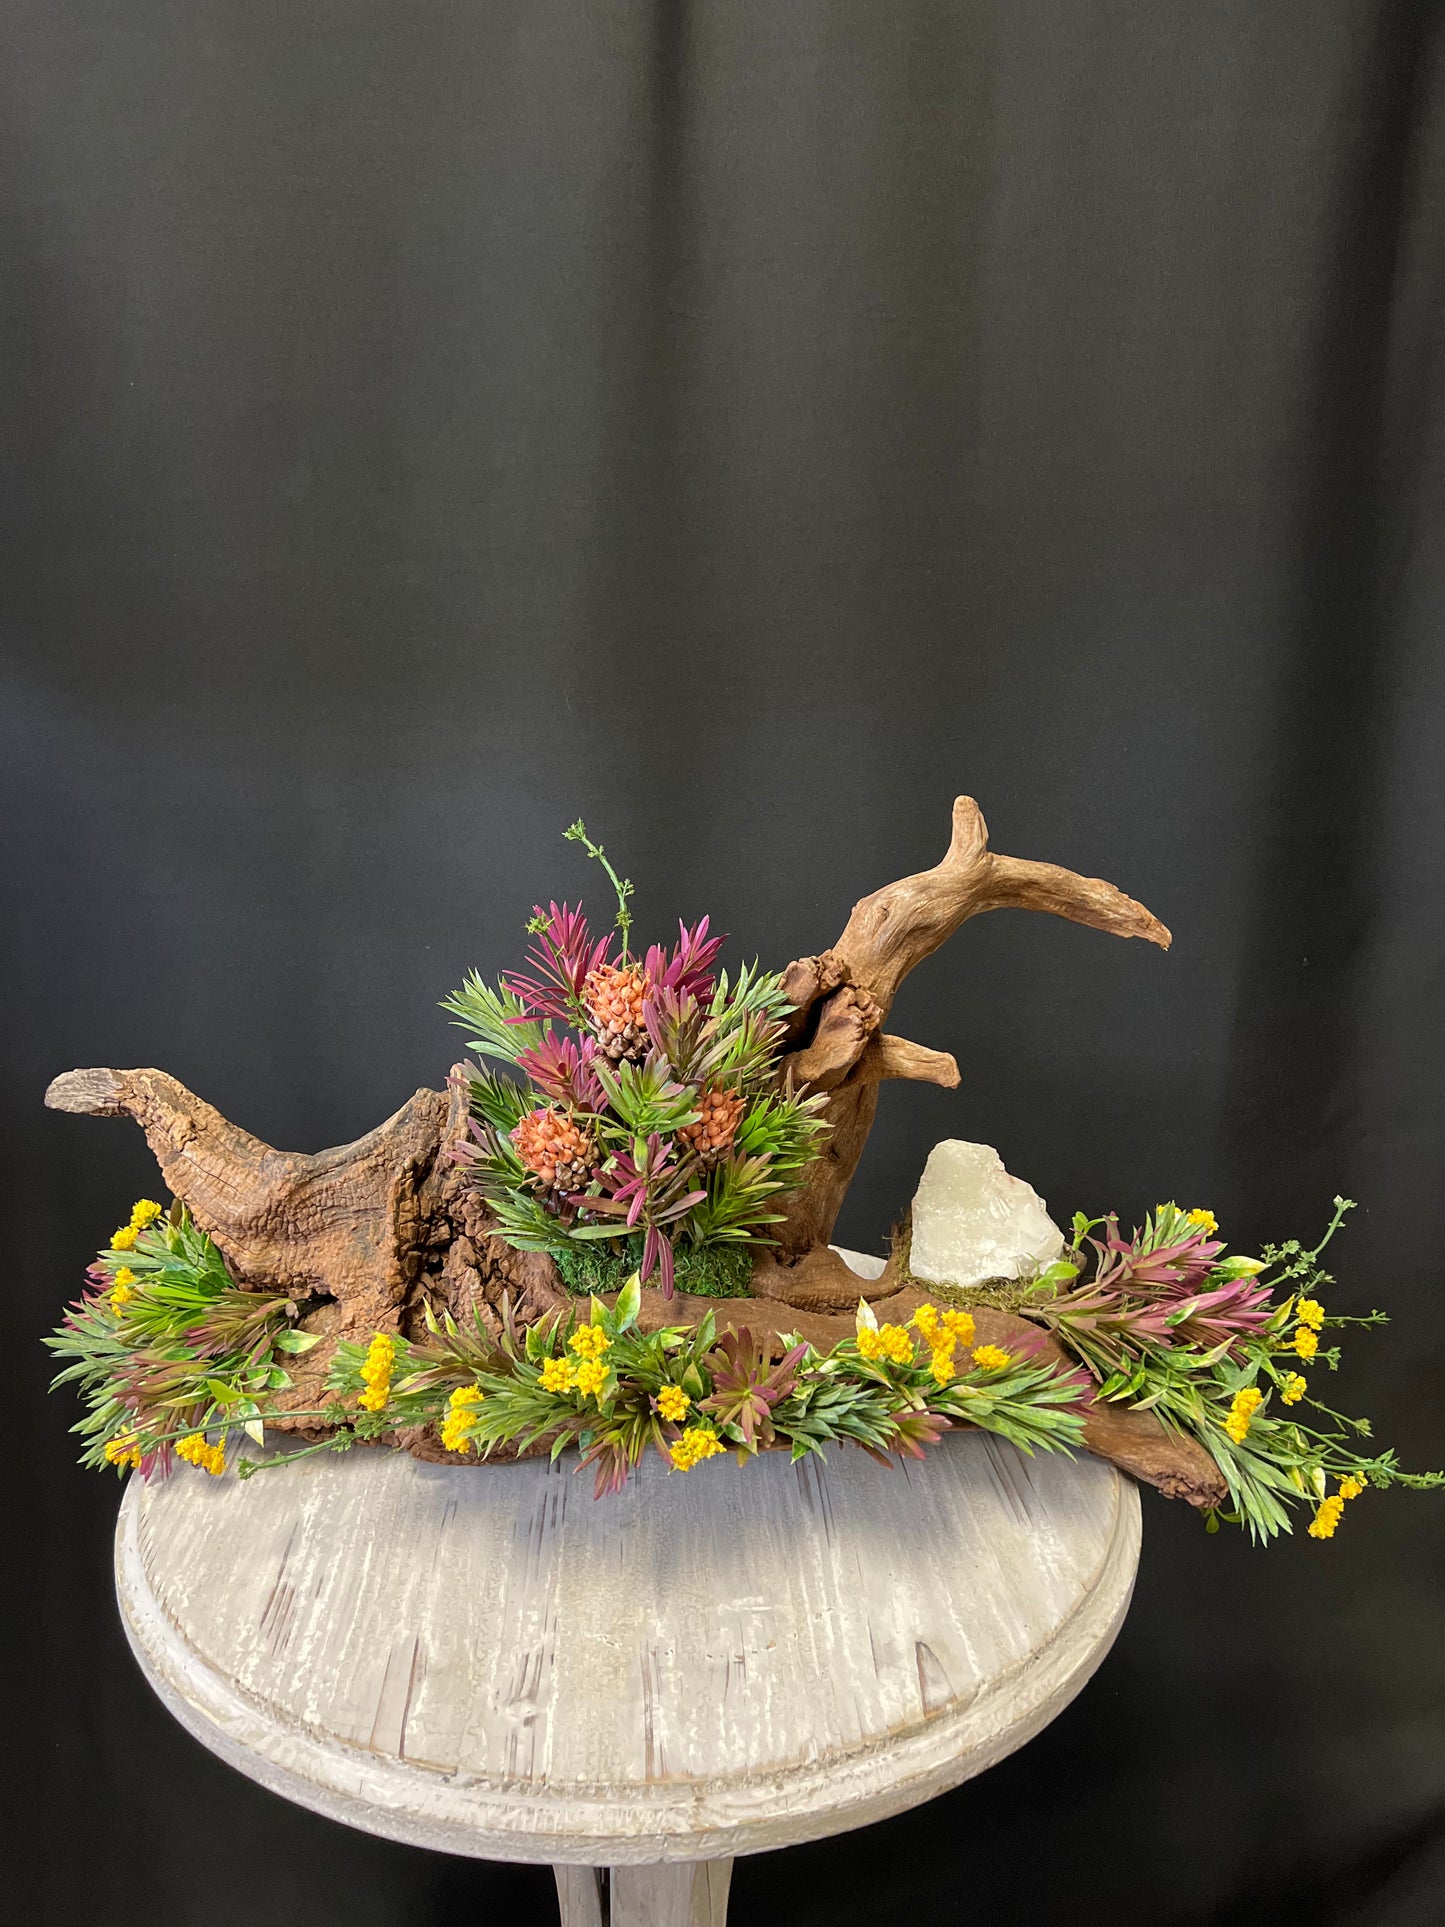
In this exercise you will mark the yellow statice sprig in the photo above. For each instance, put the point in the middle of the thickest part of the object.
(558, 1374)
(889, 1344)
(1245, 1403)
(672, 1404)
(376, 1371)
(943, 1332)
(197, 1450)
(462, 1409)
(697, 1443)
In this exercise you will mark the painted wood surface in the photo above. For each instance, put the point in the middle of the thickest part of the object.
(672, 1893)
(490, 1662)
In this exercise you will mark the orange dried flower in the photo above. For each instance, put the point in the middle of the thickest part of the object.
(712, 1136)
(557, 1152)
(614, 996)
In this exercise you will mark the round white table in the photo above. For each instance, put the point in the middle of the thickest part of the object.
(487, 1661)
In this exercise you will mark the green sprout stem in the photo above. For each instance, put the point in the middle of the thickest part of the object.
(340, 1441)
(229, 1425)
(1342, 1205)
(622, 885)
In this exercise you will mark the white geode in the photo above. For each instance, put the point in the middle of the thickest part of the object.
(972, 1221)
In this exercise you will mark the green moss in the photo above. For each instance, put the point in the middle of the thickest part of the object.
(999, 1294)
(706, 1271)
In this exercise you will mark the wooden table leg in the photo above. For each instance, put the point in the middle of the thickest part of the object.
(580, 1899)
(681, 1893)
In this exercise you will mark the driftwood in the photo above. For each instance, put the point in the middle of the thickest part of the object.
(843, 996)
(368, 1232)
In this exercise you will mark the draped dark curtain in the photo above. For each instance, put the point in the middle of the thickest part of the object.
(747, 425)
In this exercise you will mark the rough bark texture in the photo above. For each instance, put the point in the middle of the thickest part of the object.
(347, 1223)
(377, 1228)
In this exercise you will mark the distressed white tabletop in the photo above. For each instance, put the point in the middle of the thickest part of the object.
(487, 1661)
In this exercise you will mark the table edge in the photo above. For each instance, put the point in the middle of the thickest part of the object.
(484, 1819)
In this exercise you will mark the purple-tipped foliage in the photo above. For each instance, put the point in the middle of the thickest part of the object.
(563, 955)
(747, 1385)
(650, 1193)
(564, 1072)
(689, 967)
(1232, 1310)
(1162, 1294)
(1130, 1264)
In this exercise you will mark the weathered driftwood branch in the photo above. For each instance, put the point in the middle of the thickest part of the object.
(360, 1225)
(842, 997)
(375, 1228)
(344, 1223)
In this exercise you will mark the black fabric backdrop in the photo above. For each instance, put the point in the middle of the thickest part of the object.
(749, 424)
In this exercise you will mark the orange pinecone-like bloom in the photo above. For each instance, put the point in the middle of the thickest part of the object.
(557, 1152)
(614, 998)
(712, 1136)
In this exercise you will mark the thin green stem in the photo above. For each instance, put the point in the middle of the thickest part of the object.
(340, 1441)
(224, 1425)
(1342, 1205)
(622, 885)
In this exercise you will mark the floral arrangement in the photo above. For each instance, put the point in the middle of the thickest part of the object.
(476, 1271)
(648, 1111)
(173, 1359)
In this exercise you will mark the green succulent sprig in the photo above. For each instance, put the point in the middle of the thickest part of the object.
(1213, 1346)
(164, 1345)
(614, 1391)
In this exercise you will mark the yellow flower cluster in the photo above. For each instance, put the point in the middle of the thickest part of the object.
(123, 1450)
(587, 1373)
(1293, 1388)
(942, 1332)
(992, 1358)
(943, 1327)
(1322, 1526)
(698, 1442)
(195, 1451)
(672, 1404)
(143, 1212)
(1328, 1515)
(890, 1342)
(122, 1288)
(1305, 1342)
(461, 1410)
(590, 1341)
(1202, 1220)
(1241, 1412)
(1309, 1311)
(376, 1373)
(590, 1377)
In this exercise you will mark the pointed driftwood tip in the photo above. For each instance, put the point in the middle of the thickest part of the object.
(970, 833)
(93, 1093)
(1159, 933)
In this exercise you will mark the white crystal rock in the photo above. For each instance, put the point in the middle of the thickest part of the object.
(972, 1221)
(860, 1263)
